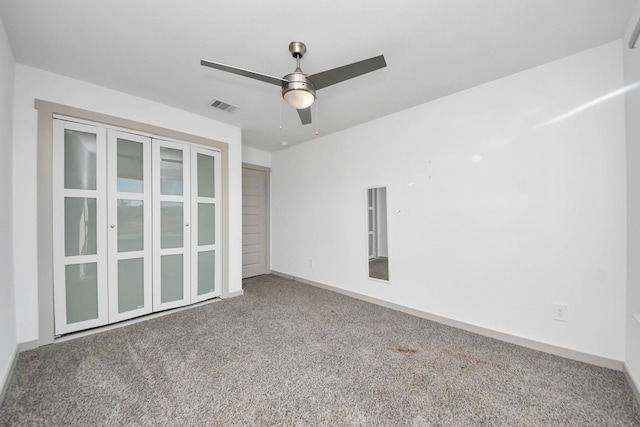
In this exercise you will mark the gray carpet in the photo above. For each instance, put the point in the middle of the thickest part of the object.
(290, 354)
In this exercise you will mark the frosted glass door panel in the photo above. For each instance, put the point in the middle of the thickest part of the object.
(130, 225)
(206, 224)
(206, 272)
(172, 278)
(130, 166)
(79, 160)
(81, 283)
(171, 171)
(171, 225)
(80, 234)
(206, 181)
(79, 214)
(130, 222)
(130, 284)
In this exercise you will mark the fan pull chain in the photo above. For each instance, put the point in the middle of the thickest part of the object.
(280, 104)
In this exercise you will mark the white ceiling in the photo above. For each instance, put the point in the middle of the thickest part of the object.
(152, 49)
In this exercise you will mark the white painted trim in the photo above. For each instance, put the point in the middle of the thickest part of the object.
(9, 374)
(24, 346)
(523, 342)
(634, 385)
(233, 294)
(27, 345)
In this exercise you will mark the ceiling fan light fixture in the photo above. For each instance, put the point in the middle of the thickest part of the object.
(299, 98)
(298, 91)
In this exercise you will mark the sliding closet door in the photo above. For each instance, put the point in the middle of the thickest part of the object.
(205, 232)
(79, 226)
(171, 236)
(129, 218)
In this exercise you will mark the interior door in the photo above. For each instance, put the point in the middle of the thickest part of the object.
(129, 218)
(171, 221)
(80, 227)
(254, 222)
(206, 187)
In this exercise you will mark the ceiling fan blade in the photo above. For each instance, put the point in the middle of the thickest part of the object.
(305, 115)
(346, 72)
(246, 73)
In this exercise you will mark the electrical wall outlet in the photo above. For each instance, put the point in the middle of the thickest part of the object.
(560, 312)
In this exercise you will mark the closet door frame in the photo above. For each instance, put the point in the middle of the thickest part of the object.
(48, 111)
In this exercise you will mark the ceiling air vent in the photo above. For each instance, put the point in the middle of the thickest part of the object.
(224, 106)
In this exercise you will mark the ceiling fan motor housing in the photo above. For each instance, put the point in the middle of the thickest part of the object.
(298, 90)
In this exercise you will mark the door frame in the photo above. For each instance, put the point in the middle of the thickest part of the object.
(267, 173)
(46, 113)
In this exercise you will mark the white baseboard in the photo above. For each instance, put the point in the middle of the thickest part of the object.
(24, 346)
(234, 294)
(29, 345)
(513, 339)
(8, 375)
(632, 383)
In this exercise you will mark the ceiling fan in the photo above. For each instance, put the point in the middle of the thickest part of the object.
(299, 89)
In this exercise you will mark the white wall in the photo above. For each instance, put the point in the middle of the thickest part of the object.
(256, 157)
(632, 77)
(8, 339)
(493, 214)
(34, 84)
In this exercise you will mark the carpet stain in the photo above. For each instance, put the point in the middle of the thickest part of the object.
(407, 350)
